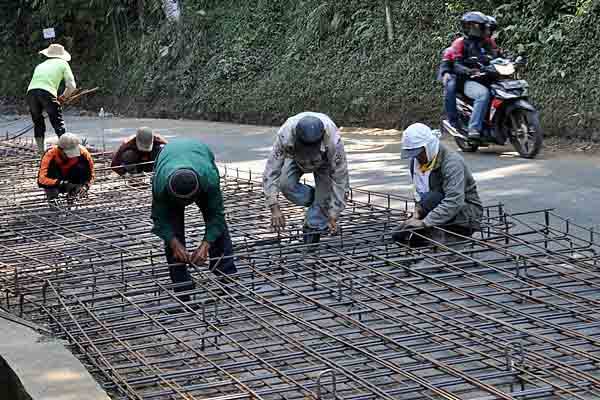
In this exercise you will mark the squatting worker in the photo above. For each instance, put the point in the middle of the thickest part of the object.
(308, 143)
(66, 168)
(136, 153)
(42, 93)
(185, 173)
(445, 191)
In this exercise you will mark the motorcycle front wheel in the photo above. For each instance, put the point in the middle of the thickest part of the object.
(525, 133)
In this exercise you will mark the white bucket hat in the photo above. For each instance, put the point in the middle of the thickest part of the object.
(56, 51)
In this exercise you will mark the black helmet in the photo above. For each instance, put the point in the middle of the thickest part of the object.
(309, 135)
(492, 24)
(474, 24)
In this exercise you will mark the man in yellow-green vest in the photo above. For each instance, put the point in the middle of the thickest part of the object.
(42, 93)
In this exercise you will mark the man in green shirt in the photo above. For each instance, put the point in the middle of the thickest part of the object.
(42, 93)
(185, 173)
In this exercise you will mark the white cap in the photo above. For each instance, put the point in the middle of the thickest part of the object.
(144, 139)
(69, 144)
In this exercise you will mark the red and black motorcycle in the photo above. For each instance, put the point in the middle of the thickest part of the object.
(510, 116)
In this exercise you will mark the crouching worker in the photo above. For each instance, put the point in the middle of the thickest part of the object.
(138, 152)
(66, 168)
(308, 143)
(185, 173)
(445, 191)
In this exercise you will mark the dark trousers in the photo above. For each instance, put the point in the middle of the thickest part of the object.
(77, 175)
(428, 203)
(38, 101)
(450, 99)
(220, 247)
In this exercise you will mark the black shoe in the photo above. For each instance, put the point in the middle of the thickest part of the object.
(474, 134)
(311, 237)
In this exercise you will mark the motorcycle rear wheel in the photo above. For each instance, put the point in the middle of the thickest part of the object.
(525, 133)
(467, 147)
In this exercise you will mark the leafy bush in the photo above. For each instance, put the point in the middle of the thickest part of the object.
(262, 61)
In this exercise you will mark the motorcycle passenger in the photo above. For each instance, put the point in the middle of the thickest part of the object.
(464, 59)
(449, 81)
(491, 27)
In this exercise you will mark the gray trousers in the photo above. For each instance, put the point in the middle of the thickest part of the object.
(315, 198)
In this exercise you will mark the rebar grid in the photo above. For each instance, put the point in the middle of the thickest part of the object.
(510, 313)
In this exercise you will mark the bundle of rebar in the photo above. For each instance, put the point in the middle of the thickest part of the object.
(509, 313)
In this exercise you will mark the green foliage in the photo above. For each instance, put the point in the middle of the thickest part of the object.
(264, 60)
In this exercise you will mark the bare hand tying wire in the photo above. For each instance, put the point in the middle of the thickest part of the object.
(277, 218)
(179, 251)
(413, 223)
(332, 225)
(200, 255)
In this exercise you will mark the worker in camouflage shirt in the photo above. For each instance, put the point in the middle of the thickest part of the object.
(308, 143)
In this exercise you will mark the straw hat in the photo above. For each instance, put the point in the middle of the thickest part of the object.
(56, 51)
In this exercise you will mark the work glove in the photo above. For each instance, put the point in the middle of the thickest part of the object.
(490, 70)
(474, 72)
(277, 218)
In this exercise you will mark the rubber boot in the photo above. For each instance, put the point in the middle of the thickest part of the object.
(40, 144)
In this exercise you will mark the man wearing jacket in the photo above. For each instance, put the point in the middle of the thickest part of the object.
(445, 191)
(463, 60)
(308, 143)
(42, 93)
(138, 153)
(185, 173)
(66, 168)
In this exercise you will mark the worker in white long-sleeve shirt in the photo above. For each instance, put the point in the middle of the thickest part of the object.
(308, 143)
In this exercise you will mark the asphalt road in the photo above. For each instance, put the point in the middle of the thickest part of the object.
(567, 183)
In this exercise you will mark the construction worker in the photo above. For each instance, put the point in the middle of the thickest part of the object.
(137, 153)
(185, 173)
(308, 143)
(445, 191)
(42, 93)
(66, 168)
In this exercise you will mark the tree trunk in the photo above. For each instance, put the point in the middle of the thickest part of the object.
(116, 37)
(141, 11)
(388, 21)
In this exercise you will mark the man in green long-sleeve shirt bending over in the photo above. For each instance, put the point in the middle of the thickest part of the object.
(185, 173)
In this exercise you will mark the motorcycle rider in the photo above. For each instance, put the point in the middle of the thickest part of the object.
(448, 78)
(459, 59)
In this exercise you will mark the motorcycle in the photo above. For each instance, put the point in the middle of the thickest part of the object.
(510, 116)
